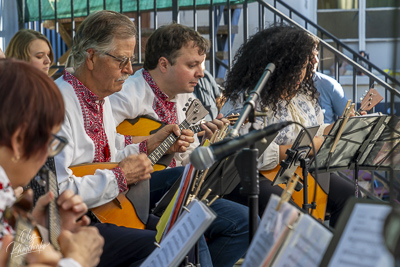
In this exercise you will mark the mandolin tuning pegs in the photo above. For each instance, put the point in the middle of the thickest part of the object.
(184, 109)
(361, 98)
(190, 99)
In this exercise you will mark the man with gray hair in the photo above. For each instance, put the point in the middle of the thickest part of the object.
(102, 55)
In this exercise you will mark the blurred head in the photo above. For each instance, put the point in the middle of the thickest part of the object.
(290, 49)
(103, 51)
(31, 112)
(315, 59)
(178, 52)
(33, 47)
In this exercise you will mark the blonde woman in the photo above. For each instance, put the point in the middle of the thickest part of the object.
(33, 47)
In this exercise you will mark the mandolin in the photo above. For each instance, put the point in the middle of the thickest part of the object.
(27, 236)
(124, 210)
(321, 197)
(371, 99)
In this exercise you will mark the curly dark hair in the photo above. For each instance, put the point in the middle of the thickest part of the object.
(290, 49)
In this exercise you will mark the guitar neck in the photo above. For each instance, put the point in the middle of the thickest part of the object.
(53, 213)
(169, 141)
(196, 128)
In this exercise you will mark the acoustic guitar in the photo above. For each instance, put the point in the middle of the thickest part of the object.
(27, 237)
(122, 211)
(321, 197)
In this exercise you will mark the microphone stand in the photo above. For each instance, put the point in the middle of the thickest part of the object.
(246, 161)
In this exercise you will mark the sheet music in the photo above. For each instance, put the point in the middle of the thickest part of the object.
(306, 246)
(271, 233)
(182, 236)
(362, 242)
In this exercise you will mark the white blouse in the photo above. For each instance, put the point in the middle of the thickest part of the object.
(300, 109)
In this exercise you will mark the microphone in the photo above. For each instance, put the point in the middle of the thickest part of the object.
(204, 157)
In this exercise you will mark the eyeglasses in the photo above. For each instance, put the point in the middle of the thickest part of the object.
(123, 61)
(56, 144)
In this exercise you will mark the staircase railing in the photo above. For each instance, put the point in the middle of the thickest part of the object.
(220, 61)
(390, 92)
(324, 34)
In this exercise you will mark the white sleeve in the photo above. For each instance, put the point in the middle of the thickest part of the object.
(125, 103)
(124, 151)
(68, 262)
(270, 158)
(97, 189)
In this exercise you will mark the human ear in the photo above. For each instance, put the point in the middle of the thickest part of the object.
(90, 58)
(163, 64)
(17, 144)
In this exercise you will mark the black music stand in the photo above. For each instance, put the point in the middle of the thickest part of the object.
(297, 156)
(224, 176)
(365, 143)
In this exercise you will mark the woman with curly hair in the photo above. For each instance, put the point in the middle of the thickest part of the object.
(289, 95)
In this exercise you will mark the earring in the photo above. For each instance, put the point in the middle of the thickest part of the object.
(15, 159)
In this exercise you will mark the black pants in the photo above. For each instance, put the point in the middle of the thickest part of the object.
(340, 190)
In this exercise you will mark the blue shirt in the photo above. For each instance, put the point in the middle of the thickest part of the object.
(332, 99)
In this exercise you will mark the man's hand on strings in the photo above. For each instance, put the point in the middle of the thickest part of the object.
(211, 127)
(183, 142)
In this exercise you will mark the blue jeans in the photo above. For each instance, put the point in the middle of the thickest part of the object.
(227, 237)
(161, 182)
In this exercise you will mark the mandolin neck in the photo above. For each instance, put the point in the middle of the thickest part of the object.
(169, 141)
(53, 213)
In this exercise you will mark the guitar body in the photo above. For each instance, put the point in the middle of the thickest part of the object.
(145, 126)
(141, 126)
(122, 214)
(27, 237)
(321, 198)
(120, 211)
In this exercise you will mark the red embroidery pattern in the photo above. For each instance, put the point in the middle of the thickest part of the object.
(92, 110)
(128, 140)
(122, 185)
(165, 110)
(143, 147)
(6, 193)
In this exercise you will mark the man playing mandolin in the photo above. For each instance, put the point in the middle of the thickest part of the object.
(174, 57)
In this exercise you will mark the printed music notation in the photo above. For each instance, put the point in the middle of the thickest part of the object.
(287, 238)
(182, 236)
(362, 243)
